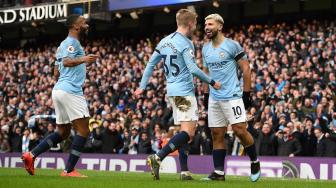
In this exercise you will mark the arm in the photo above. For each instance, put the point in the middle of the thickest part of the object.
(188, 56)
(206, 90)
(153, 61)
(241, 59)
(71, 62)
(56, 73)
(245, 67)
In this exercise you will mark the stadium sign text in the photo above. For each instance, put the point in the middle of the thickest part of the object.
(277, 167)
(25, 14)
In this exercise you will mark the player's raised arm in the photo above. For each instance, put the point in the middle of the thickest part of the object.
(188, 56)
(153, 61)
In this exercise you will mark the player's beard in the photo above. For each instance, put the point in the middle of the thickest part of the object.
(212, 35)
(83, 33)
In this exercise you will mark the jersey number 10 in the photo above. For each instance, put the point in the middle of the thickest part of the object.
(171, 63)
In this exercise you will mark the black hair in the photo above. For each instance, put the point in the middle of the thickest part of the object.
(71, 20)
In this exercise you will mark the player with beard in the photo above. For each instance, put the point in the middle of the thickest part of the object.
(68, 98)
(224, 59)
(177, 52)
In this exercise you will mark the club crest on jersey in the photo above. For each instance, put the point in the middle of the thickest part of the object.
(221, 55)
(191, 52)
(71, 49)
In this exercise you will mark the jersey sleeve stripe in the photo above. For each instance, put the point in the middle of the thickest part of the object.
(157, 51)
(239, 56)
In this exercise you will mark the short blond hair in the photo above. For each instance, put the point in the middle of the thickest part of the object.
(184, 16)
(218, 18)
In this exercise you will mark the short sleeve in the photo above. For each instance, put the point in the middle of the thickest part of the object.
(70, 50)
(238, 52)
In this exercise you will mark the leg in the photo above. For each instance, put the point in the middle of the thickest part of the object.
(236, 114)
(247, 140)
(184, 108)
(28, 158)
(63, 131)
(183, 158)
(217, 123)
(82, 128)
(187, 133)
(219, 148)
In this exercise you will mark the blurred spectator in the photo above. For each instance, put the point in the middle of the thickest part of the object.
(15, 140)
(25, 140)
(4, 145)
(35, 140)
(126, 142)
(202, 142)
(326, 147)
(287, 144)
(111, 139)
(309, 138)
(134, 141)
(266, 141)
(144, 146)
(157, 141)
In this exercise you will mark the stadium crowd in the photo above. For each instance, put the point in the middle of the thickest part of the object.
(294, 85)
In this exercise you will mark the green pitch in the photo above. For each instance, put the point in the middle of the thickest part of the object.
(18, 178)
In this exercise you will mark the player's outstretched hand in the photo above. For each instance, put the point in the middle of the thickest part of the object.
(217, 85)
(91, 58)
(138, 92)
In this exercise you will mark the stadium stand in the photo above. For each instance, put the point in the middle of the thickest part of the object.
(293, 114)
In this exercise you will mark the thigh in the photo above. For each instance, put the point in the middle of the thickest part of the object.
(185, 110)
(82, 126)
(234, 111)
(60, 110)
(216, 117)
(172, 103)
(76, 107)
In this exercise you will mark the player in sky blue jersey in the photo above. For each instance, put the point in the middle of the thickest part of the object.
(67, 95)
(177, 52)
(224, 58)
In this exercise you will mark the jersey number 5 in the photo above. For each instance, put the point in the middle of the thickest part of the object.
(166, 66)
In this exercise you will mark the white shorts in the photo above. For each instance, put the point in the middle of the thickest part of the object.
(223, 113)
(69, 107)
(184, 108)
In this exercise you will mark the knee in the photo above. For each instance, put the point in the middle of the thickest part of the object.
(239, 131)
(217, 136)
(191, 135)
(84, 132)
(64, 132)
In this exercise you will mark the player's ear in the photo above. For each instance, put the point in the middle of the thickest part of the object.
(220, 27)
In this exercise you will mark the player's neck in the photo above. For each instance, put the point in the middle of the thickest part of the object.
(73, 35)
(217, 41)
(183, 31)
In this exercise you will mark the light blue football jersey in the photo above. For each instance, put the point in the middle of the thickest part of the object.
(177, 52)
(71, 79)
(223, 67)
